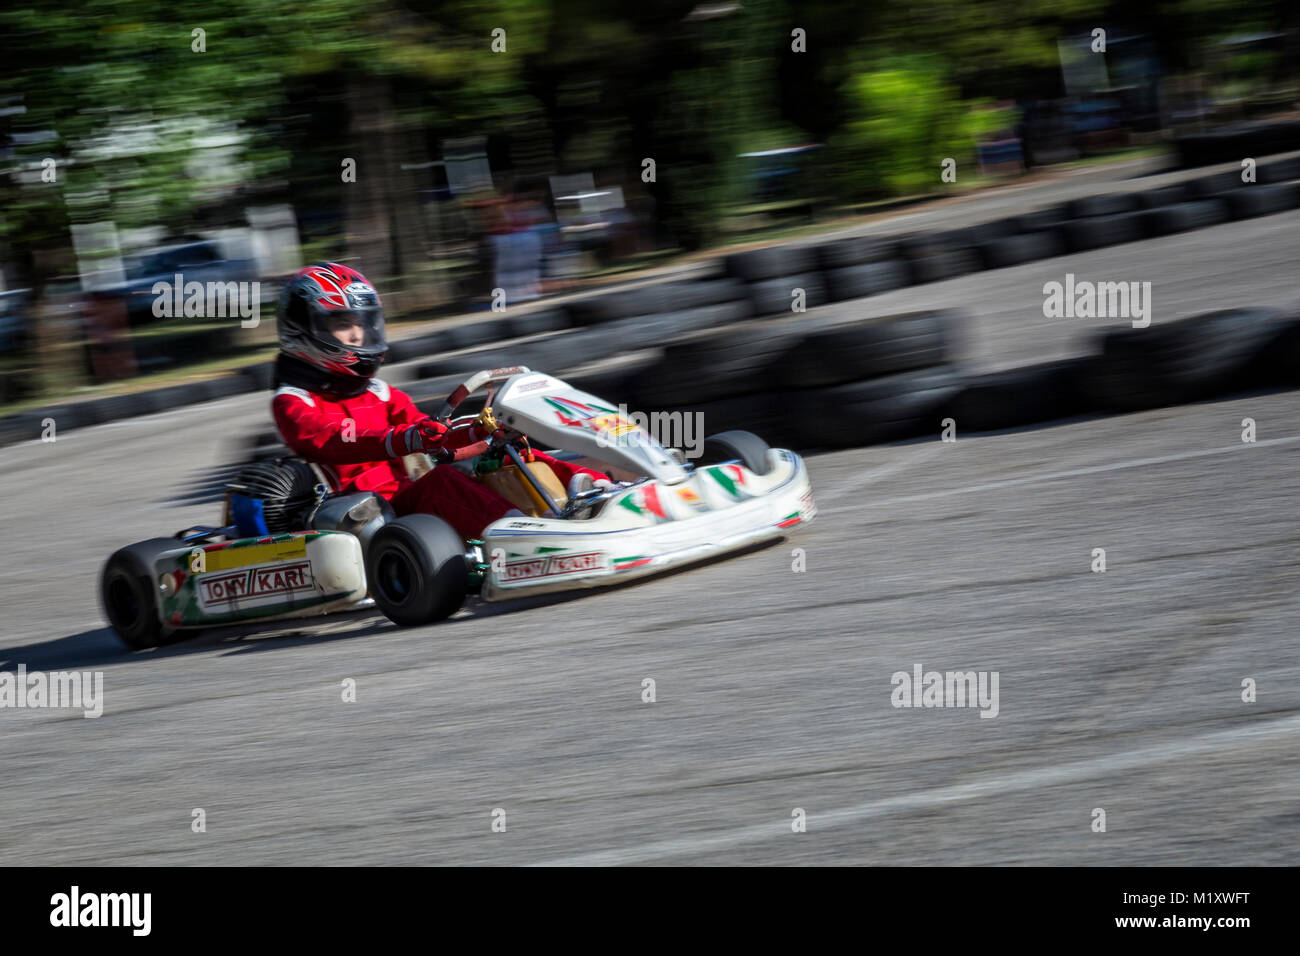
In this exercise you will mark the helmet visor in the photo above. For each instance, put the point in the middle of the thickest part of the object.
(361, 329)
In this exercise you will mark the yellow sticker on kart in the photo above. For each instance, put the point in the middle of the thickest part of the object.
(615, 425)
(227, 559)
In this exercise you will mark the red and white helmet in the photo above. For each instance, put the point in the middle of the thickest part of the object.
(322, 304)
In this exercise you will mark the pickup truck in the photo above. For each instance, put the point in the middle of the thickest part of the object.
(195, 261)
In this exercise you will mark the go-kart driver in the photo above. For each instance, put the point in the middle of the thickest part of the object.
(331, 410)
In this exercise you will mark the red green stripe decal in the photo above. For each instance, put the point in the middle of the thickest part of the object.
(622, 564)
(650, 496)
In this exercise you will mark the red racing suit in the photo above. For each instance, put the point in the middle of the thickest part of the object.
(366, 455)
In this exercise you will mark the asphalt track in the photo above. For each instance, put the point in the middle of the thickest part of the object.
(1118, 690)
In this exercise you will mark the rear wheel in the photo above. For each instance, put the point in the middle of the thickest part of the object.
(744, 446)
(416, 570)
(128, 590)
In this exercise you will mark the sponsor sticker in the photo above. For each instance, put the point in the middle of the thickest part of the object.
(615, 425)
(553, 565)
(519, 570)
(692, 499)
(228, 558)
(274, 581)
(533, 386)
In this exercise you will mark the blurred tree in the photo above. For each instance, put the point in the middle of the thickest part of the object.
(906, 119)
(150, 132)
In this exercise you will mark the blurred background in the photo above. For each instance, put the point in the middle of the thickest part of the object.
(537, 146)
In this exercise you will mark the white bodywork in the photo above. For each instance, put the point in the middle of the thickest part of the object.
(675, 516)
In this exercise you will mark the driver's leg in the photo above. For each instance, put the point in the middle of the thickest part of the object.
(565, 471)
(453, 496)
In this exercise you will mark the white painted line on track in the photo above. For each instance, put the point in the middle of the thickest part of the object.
(889, 468)
(1013, 782)
(1239, 448)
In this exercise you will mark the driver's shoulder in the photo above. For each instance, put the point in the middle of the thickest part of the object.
(381, 389)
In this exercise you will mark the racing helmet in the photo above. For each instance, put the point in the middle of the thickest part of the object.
(331, 317)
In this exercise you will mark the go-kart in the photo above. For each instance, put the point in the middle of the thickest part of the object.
(280, 554)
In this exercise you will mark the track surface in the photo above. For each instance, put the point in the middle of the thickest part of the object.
(1118, 690)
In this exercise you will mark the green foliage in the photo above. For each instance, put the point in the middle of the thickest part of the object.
(584, 86)
(906, 118)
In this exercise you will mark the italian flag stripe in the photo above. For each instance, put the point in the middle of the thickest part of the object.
(622, 564)
(724, 479)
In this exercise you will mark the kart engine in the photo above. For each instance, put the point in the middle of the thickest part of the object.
(279, 491)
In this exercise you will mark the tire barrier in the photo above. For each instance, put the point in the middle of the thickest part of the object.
(777, 296)
(760, 282)
(1182, 216)
(867, 278)
(1233, 143)
(1185, 361)
(673, 295)
(1019, 397)
(876, 347)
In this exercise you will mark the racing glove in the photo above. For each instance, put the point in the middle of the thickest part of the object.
(426, 435)
(437, 440)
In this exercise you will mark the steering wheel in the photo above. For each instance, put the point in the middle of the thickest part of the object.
(485, 421)
(473, 384)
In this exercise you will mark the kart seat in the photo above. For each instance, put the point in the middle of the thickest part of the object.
(361, 513)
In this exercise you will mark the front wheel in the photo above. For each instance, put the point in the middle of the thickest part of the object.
(730, 446)
(416, 570)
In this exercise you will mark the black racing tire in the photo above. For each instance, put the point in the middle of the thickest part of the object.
(1162, 196)
(867, 349)
(987, 231)
(875, 411)
(926, 244)
(553, 353)
(855, 250)
(1279, 171)
(690, 294)
(1013, 250)
(1017, 397)
(714, 366)
(128, 590)
(1192, 359)
(776, 296)
(764, 413)
(21, 427)
(473, 334)
(115, 408)
(1183, 216)
(262, 375)
(944, 265)
(1038, 220)
(1259, 200)
(771, 262)
(402, 350)
(1106, 204)
(1279, 362)
(744, 446)
(867, 278)
(656, 330)
(615, 385)
(1215, 184)
(674, 296)
(1100, 231)
(416, 570)
(539, 320)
